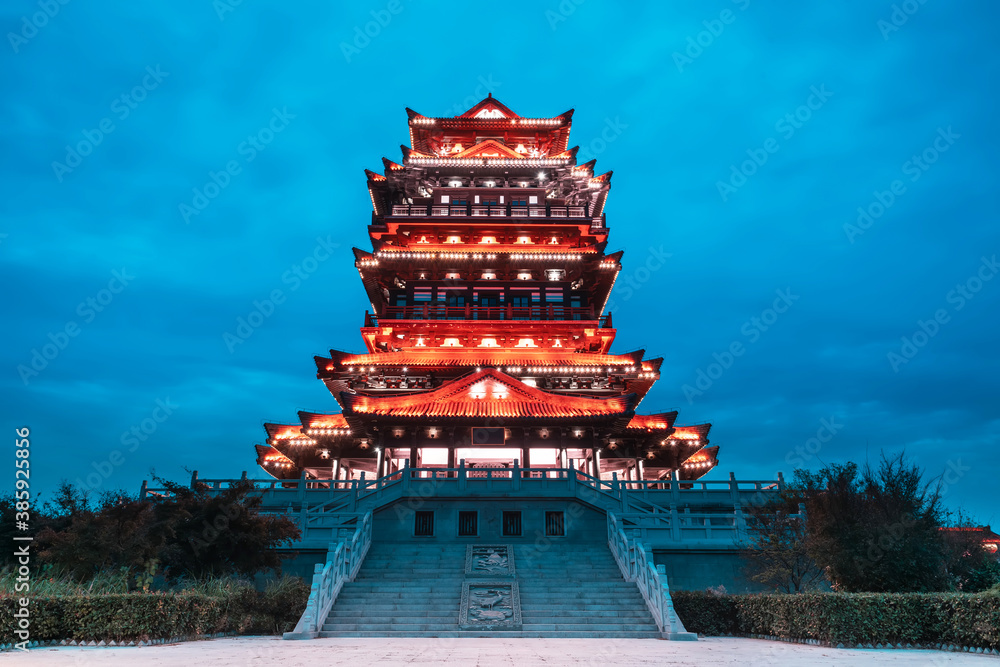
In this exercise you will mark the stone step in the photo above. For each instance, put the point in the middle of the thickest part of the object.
(411, 586)
(531, 595)
(437, 612)
(625, 612)
(556, 610)
(415, 591)
(412, 608)
(400, 600)
(389, 627)
(580, 627)
(593, 634)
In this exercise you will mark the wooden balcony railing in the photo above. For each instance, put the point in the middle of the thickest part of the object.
(434, 311)
(492, 210)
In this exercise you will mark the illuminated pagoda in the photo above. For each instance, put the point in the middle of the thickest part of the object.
(487, 341)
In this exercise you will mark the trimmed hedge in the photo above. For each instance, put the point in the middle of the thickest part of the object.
(144, 616)
(850, 618)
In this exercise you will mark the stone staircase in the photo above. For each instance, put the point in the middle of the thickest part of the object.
(414, 589)
(402, 590)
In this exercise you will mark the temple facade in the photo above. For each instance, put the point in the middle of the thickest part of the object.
(487, 345)
(488, 472)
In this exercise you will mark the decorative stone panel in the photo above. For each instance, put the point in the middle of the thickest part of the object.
(489, 560)
(490, 605)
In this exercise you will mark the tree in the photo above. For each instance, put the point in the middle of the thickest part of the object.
(121, 532)
(877, 529)
(222, 533)
(775, 551)
(189, 532)
(970, 566)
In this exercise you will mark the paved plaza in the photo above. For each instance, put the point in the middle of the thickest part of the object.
(271, 651)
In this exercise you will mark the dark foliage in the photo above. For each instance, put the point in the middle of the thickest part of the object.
(189, 533)
(142, 616)
(776, 550)
(866, 618)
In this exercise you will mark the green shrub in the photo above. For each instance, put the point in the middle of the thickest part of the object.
(706, 613)
(231, 607)
(855, 618)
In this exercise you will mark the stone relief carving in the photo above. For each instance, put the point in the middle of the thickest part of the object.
(492, 560)
(490, 605)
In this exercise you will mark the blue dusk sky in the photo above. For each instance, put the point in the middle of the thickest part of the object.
(811, 186)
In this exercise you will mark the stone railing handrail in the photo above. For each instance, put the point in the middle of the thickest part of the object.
(636, 563)
(349, 485)
(343, 560)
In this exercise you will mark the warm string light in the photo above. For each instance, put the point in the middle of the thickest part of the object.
(328, 431)
(487, 162)
(545, 255)
(294, 441)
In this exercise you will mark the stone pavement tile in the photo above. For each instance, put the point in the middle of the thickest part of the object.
(420, 652)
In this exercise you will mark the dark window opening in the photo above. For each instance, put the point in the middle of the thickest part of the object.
(468, 524)
(488, 435)
(423, 524)
(521, 305)
(512, 524)
(554, 526)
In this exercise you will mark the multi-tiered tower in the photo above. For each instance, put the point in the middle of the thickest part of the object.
(487, 341)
